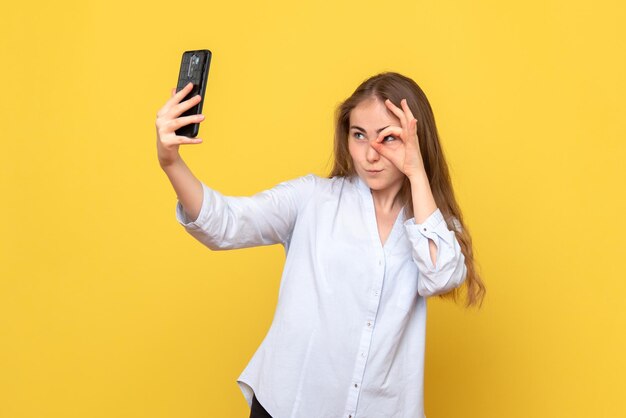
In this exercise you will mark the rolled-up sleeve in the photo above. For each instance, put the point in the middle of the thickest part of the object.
(268, 217)
(450, 270)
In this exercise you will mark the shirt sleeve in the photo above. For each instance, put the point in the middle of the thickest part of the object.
(268, 217)
(450, 270)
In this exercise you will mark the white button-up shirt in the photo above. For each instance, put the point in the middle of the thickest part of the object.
(347, 337)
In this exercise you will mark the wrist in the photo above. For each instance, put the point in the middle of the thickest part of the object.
(418, 177)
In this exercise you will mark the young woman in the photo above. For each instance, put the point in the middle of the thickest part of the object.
(365, 248)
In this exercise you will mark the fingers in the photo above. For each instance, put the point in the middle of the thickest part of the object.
(412, 119)
(407, 110)
(182, 93)
(386, 141)
(397, 111)
(178, 123)
(394, 131)
(405, 115)
(175, 99)
(168, 125)
(168, 141)
(179, 140)
(186, 140)
(178, 109)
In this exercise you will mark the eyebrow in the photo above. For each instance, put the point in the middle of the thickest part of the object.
(363, 130)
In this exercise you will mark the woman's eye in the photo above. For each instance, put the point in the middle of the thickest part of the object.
(389, 138)
(358, 135)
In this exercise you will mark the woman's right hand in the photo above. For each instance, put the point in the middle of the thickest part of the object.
(169, 120)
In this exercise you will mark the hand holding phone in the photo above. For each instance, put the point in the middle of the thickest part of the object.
(178, 120)
(194, 68)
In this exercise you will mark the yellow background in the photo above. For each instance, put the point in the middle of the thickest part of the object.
(109, 309)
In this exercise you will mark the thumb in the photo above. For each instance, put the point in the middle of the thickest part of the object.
(379, 147)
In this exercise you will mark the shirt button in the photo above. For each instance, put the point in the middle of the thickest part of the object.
(380, 262)
(356, 386)
(424, 229)
(369, 324)
(362, 354)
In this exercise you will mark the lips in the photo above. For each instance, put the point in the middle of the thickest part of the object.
(374, 171)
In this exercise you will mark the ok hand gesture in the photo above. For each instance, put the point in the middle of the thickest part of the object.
(404, 151)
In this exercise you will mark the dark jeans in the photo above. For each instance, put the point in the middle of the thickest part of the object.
(257, 411)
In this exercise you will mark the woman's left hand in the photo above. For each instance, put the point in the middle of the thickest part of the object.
(404, 151)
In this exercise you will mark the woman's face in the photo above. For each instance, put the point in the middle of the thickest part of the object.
(367, 119)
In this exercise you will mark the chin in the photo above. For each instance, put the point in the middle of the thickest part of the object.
(378, 184)
(381, 182)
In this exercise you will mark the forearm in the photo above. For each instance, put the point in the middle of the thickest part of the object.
(187, 187)
(423, 205)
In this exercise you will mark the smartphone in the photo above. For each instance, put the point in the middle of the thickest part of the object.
(194, 68)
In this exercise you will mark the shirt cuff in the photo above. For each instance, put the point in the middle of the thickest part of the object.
(434, 227)
(185, 221)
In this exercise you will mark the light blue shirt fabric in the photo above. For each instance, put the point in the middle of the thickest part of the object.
(348, 335)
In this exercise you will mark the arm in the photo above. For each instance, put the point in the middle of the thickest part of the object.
(449, 271)
(423, 205)
(436, 251)
(222, 222)
(187, 186)
(268, 217)
(441, 262)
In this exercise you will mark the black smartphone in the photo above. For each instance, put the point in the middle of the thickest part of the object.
(194, 68)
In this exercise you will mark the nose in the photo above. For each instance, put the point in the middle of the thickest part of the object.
(371, 154)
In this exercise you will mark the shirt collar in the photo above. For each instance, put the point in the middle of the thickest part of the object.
(361, 186)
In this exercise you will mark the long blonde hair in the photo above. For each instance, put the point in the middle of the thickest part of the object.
(395, 87)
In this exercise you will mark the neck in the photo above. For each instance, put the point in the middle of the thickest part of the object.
(388, 200)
